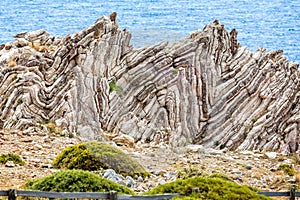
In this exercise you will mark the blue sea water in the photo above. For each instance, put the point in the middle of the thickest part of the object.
(261, 23)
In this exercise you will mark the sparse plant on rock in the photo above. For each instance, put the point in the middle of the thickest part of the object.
(52, 127)
(75, 181)
(208, 188)
(287, 169)
(191, 171)
(11, 157)
(114, 87)
(94, 156)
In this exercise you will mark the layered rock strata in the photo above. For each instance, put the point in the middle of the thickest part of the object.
(205, 89)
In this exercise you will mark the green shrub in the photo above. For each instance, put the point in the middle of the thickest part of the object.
(93, 156)
(11, 157)
(209, 188)
(75, 181)
(287, 169)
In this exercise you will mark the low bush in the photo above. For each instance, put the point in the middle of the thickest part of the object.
(208, 188)
(11, 157)
(75, 181)
(93, 156)
(287, 169)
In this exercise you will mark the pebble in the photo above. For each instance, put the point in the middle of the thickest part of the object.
(195, 162)
(271, 155)
(273, 169)
(37, 147)
(46, 146)
(26, 153)
(27, 139)
(151, 184)
(161, 182)
(109, 172)
(292, 180)
(140, 189)
(47, 166)
(193, 148)
(140, 179)
(129, 181)
(256, 159)
(10, 164)
(248, 167)
(235, 170)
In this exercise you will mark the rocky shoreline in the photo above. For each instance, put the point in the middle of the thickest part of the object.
(244, 167)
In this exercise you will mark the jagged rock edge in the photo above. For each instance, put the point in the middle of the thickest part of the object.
(205, 89)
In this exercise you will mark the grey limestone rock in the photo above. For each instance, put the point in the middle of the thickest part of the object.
(205, 89)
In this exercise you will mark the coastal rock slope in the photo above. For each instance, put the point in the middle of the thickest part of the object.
(205, 89)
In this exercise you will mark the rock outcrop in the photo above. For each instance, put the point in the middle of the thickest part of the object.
(206, 89)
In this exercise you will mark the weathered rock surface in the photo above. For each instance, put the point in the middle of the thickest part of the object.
(205, 89)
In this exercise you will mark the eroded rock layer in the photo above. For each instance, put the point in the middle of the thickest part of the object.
(206, 89)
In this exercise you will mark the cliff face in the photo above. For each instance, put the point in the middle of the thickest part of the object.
(205, 89)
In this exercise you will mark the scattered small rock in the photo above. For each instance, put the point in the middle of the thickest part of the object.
(271, 155)
(193, 148)
(248, 167)
(49, 166)
(140, 179)
(27, 139)
(108, 173)
(10, 164)
(37, 147)
(129, 181)
(211, 151)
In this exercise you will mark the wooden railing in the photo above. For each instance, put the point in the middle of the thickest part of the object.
(12, 194)
(292, 194)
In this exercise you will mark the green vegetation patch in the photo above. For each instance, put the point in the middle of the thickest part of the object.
(75, 181)
(208, 188)
(191, 171)
(11, 157)
(93, 156)
(287, 169)
(114, 87)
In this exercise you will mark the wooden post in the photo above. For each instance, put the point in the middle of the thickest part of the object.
(12, 194)
(293, 193)
(113, 195)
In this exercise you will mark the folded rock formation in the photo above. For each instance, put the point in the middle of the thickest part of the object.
(205, 89)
